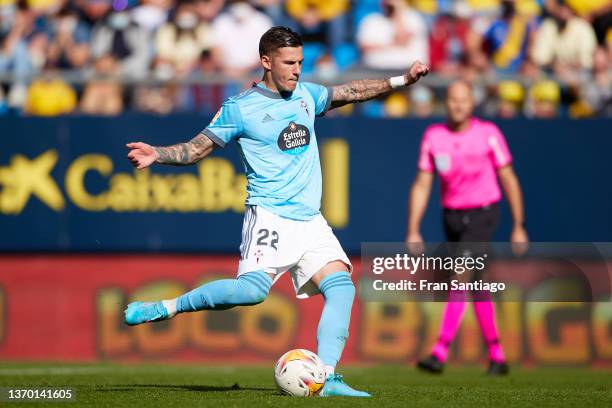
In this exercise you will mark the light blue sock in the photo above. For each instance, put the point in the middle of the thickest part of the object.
(339, 292)
(248, 289)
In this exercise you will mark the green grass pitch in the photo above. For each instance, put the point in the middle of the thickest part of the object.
(111, 385)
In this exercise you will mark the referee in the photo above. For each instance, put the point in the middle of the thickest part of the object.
(469, 155)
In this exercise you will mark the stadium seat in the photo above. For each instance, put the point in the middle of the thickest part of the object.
(345, 55)
(312, 52)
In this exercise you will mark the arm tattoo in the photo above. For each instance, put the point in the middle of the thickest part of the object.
(359, 91)
(183, 154)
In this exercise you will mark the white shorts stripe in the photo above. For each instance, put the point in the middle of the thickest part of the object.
(248, 232)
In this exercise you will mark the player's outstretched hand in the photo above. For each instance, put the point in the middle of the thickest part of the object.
(141, 154)
(416, 71)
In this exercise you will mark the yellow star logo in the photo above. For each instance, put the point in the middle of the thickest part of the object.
(23, 178)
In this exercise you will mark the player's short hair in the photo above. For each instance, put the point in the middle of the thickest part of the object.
(278, 37)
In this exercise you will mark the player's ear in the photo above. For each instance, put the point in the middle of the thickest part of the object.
(266, 62)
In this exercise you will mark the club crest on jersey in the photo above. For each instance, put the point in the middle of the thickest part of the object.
(258, 255)
(304, 106)
(294, 139)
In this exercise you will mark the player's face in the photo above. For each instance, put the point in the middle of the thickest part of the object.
(459, 102)
(285, 66)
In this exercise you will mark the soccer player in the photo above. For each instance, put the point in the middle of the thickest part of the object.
(283, 230)
(469, 156)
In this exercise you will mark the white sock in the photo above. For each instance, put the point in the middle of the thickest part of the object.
(329, 370)
(170, 306)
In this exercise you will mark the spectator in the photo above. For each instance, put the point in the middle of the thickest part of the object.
(208, 10)
(544, 98)
(423, 101)
(48, 7)
(156, 99)
(507, 40)
(597, 12)
(449, 40)
(151, 14)
(33, 33)
(181, 41)
(467, 39)
(530, 70)
(103, 94)
(393, 39)
(492, 7)
(396, 106)
(70, 38)
(92, 11)
(484, 7)
(38, 51)
(117, 35)
(17, 97)
(532, 8)
(320, 21)
(275, 9)
(326, 68)
(236, 34)
(431, 10)
(49, 95)
(473, 66)
(564, 42)
(510, 99)
(203, 98)
(14, 56)
(595, 91)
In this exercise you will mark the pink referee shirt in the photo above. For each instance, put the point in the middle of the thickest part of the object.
(466, 162)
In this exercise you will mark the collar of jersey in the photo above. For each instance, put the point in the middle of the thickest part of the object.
(261, 88)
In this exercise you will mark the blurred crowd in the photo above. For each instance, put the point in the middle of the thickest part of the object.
(533, 58)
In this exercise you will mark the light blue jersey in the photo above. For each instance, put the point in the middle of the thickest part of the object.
(277, 143)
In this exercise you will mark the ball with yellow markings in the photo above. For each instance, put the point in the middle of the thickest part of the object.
(299, 373)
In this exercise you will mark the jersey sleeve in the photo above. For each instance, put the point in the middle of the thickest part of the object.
(322, 96)
(226, 125)
(425, 162)
(500, 154)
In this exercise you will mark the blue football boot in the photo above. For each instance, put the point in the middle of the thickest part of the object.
(335, 387)
(143, 312)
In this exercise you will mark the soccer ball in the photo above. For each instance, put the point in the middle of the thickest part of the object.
(299, 373)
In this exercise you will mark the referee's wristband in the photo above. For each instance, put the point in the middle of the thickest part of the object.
(397, 81)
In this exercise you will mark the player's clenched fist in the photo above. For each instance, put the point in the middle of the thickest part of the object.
(416, 71)
(141, 155)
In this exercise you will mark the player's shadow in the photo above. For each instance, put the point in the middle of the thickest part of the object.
(185, 387)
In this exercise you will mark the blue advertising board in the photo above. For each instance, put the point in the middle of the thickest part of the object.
(66, 185)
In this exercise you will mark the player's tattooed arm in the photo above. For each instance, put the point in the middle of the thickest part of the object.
(143, 155)
(365, 89)
(183, 154)
(359, 91)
